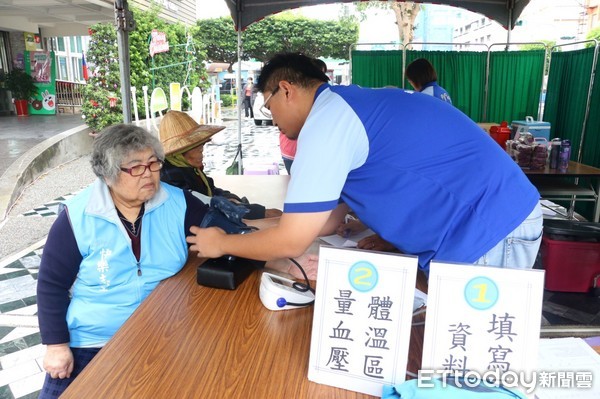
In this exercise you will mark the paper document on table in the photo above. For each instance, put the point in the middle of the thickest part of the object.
(567, 368)
(420, 299)
(550, 208)
(347, 242)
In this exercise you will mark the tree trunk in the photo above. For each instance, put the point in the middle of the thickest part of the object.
(406, 13)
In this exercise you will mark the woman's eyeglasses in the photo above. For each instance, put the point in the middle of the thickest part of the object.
(139, 170)
(265, 109)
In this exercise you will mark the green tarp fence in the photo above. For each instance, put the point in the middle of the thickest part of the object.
(566, 104)
(567, 96)
(463, 74)
(495, 86)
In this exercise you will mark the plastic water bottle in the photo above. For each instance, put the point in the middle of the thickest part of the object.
(564, 155)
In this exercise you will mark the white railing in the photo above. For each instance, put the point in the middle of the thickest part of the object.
(204, 108)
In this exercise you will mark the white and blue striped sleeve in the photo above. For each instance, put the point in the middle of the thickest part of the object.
(332, 142)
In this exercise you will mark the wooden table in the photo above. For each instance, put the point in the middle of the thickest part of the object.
(555, 185)
(190, 341)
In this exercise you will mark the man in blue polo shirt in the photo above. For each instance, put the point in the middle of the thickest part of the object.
(416, 170)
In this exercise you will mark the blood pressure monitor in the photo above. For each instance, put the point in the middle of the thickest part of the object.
(279, 293)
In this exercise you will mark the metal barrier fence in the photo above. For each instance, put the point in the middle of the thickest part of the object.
(68, 95)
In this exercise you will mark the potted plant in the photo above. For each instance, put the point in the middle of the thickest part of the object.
(22, 87)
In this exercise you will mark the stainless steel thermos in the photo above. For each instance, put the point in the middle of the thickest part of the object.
(554, 150)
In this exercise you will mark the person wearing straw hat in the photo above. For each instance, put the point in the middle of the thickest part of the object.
(183, 140)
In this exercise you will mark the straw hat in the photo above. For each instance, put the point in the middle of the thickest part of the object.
(178, 132)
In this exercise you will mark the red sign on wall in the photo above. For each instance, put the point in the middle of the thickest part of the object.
(158, 42)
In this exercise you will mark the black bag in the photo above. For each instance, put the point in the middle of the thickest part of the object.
(226, 272)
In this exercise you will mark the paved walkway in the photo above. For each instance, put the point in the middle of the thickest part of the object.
(18, 134)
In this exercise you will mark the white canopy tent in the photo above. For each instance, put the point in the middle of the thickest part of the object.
(245, 12)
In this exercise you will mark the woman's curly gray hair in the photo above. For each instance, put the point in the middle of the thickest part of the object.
(115, 143)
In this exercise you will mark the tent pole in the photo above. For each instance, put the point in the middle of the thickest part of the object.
(124, 23)
(588, 101)
(239, 97)
(509, 27)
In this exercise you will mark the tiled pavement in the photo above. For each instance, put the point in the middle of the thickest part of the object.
(21, 351)
(48, 209)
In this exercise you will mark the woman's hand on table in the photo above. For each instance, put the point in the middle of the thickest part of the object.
(375, 243)
(310, 264)
(308, 261)
(58, 361)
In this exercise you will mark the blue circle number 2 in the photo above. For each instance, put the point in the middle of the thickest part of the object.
(481, 293)
(363, 276)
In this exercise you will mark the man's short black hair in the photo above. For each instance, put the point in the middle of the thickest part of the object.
(321, 64)
(293, 67)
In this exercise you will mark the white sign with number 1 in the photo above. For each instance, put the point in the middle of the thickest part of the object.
(482, 319)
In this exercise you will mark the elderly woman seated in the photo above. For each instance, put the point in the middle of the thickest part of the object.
(109, 249)
(183, 140)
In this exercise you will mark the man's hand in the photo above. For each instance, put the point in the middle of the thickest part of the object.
(352, 227)
(58, 361)
(206, 241)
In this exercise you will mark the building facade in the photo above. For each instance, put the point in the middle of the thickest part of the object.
(62, 26)
(549, 20)
(593, 13)
(432, 27)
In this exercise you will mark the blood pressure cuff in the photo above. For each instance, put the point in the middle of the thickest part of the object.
(452, 389)
(226, 215)
(226, 272)
(255, 211)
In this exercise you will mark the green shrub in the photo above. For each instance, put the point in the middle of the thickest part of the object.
(228, 100)
(20, 83)
(104, 82)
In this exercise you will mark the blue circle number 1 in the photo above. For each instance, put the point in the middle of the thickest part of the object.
(481, 293)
